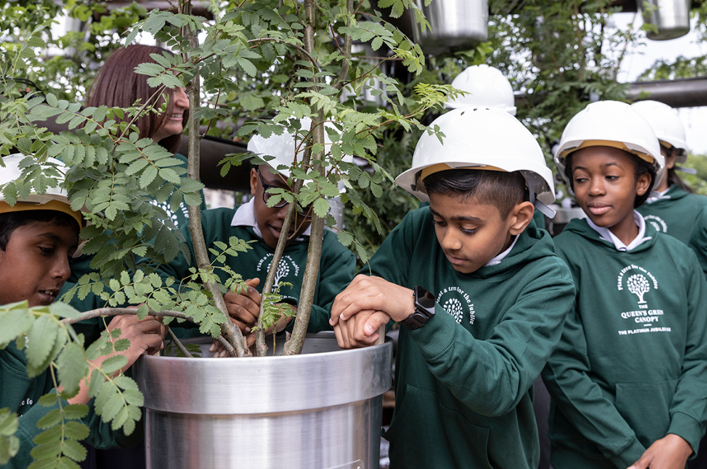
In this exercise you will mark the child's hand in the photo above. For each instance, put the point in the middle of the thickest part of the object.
(361, 330)
(244, 309)
(670, 452)
(145, 336)
(220, 352)
(373, 293)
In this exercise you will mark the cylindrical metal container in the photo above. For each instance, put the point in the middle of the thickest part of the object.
(319, 410)
(671, 17)
(455, 24)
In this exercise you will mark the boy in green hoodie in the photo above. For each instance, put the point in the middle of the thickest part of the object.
(260, 224)
(38, 236)
(629, 378)
(480, 295)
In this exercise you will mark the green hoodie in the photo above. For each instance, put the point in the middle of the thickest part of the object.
(632, 363)
(464, 381)
(698, 239)
(674, 213)
(20, 394)
(336, 267)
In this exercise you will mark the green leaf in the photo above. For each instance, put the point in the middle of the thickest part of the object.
(148, 176)
(72, 367)
(113, 364)
(75, 411)
(42, 337)
(63, 310)
(14, 323)
(76, 430)
(321, 207)
(9, 444)
(50, 419)
(345, 238)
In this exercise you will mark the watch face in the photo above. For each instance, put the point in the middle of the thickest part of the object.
(424, 298)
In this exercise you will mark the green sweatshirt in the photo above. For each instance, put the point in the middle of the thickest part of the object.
(674, 213)
(20, 394)
(698, 239)
(632, 363)
(336, 267)
(464, 381)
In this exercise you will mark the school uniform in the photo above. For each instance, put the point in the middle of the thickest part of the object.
(464, 381)
(336, 266)
(632, 363)
(673, 212)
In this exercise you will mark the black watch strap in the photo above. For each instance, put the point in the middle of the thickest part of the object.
(424, 309)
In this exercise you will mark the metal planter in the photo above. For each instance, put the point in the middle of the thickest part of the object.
(671, 17)
(456, 25)
(321, 409)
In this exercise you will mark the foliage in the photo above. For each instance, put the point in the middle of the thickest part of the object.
(114, 175)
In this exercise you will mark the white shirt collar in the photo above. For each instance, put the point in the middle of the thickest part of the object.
(497, 260)
(659, 196)
(607, 235)
(245, 216)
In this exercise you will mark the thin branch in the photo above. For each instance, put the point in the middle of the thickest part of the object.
(178, 343)
(108, 312)
(261, 348)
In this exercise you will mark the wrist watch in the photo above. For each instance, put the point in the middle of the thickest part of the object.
(424, 309)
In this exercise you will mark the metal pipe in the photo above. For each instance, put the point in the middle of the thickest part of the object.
(687, 92)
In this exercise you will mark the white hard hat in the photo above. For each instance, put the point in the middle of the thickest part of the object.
(481, 138)
(666, 124)
(487, 87)
(611, 124)
(282, 148)
(54, 198)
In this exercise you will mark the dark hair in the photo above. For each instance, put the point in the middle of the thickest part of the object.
(640, 165)
(117, 85)
(674, 179)
(10, 221)
(502, 190)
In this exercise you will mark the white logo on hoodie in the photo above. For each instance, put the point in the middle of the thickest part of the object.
(657, 223)
(456, 302)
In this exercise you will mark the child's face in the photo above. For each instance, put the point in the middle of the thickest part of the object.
(605, 184)
(35, 264)
(472, 233)
(270, 219)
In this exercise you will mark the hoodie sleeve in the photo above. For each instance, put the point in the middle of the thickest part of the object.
(492, 376)
(698, 239)
(689, 404)
(582, 401)
(336, 270)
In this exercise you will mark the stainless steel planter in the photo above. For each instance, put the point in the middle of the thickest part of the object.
(671, 17)
(321, 409)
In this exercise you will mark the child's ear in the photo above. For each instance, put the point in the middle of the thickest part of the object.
(642, 183)
(253, 180)
(520, 217)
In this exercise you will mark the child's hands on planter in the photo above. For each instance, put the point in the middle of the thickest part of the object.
(670, 452)
(377, 301)
(145, 336)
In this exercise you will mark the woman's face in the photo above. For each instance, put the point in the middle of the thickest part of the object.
(172, 125)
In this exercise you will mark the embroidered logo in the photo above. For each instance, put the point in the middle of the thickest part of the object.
(172, 215)
(456, 302)
(657, 223)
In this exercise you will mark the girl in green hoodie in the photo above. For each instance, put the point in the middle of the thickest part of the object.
(673, 207)
(629, 377)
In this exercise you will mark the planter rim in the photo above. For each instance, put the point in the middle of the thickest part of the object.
(222, 386)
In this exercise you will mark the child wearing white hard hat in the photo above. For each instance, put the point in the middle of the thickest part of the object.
(673, 206)
(260, 224)
(38, 235)
(480, 295)
(628, 379)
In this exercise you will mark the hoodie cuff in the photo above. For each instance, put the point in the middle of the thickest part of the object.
(686, 428)
(437, 336)
(629, 455)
